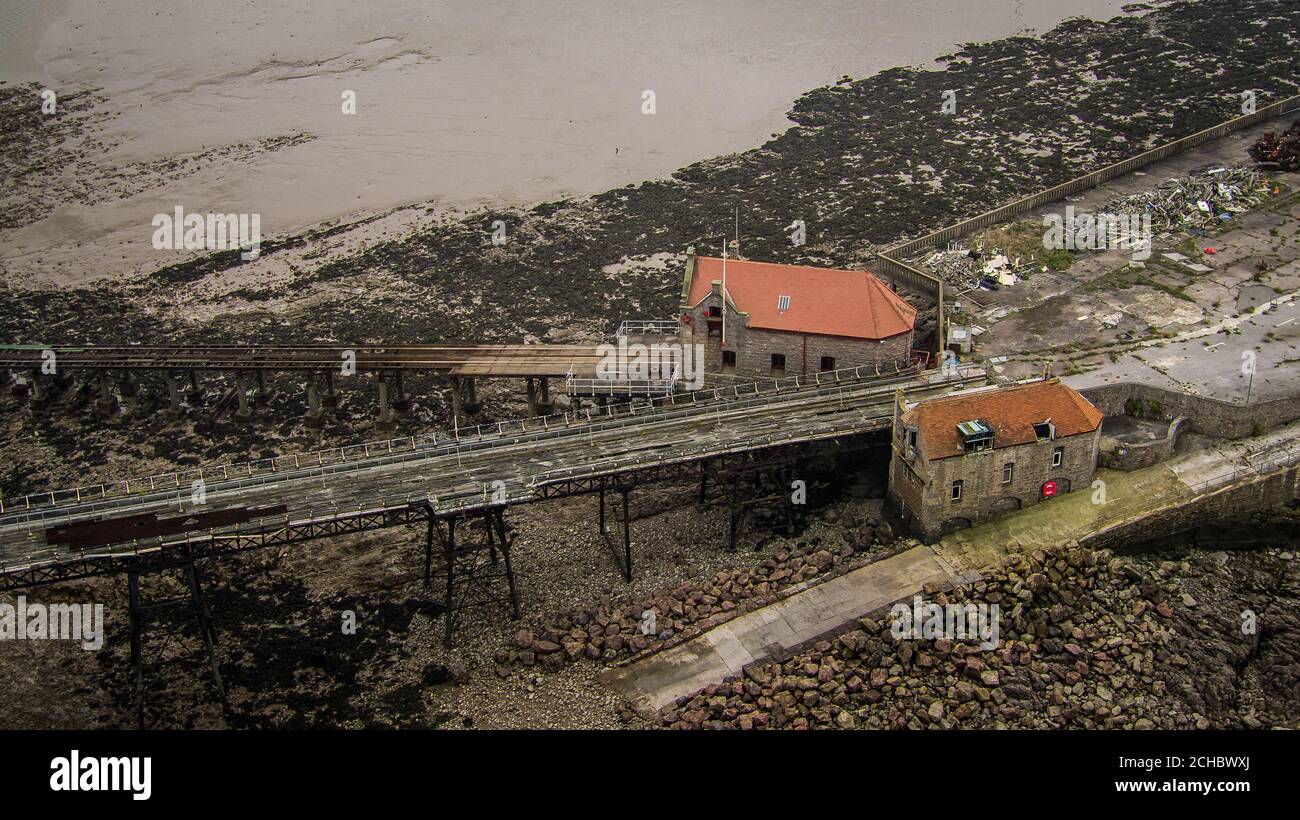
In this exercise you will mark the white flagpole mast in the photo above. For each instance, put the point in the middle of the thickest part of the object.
(724, 289)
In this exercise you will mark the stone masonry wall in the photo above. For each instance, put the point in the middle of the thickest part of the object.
(1246, 495)
(1205, 415)
(754, 346)
(1135, 456)
(755, 358)
(927, 508)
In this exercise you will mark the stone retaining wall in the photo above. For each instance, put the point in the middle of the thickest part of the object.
(1131, 456)
(1248, 494)
(1204, 415)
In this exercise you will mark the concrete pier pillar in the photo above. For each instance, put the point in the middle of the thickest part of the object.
(19, 389)
(455, 401)
(401, 399)
(544, 405)
(387, 421)
(315, 417)
(41, 387)
(128, 384)
(532, 396)
(331, 398)
(263, 394)
(175, 408)
(245, 412)
(195, 394)
(471, 396)
(107, 403)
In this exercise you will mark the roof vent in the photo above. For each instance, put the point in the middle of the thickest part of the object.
(783, 303)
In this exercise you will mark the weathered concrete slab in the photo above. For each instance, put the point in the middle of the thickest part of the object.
(776, 631)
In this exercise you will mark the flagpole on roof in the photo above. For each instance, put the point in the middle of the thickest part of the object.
(723, 340)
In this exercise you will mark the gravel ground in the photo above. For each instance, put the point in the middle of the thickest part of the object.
(287, 661)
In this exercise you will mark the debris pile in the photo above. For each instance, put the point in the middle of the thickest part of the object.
(1281, 151)
(971, 268)
(1196, 201)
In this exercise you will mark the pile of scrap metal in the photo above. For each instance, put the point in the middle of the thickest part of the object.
(1196, 201)
(1279, 151)
(969, 268)
(954, 265)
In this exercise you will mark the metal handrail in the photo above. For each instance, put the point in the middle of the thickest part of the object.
(449, 437)
(656, 327)
(648, 386)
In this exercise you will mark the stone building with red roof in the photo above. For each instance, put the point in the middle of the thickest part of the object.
(969, 456)
(790, 320)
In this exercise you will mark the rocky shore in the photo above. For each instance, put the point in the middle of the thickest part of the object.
(1088, 640)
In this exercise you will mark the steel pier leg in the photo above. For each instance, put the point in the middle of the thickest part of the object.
(510, 572)
(627, 539)
(428, 548)
(783, 483)
(735, 514)
(137, 659)
(200, 607)
(602, 505)
(451, 580)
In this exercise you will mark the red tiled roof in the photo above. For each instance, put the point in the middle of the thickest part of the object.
(1012, 412)
(823, 301)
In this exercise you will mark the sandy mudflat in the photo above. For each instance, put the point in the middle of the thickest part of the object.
(458, 104)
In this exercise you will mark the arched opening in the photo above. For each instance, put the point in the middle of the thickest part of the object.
(1006, 504)
(954, 524)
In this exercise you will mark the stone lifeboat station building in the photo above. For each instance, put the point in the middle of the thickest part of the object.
(969, 456)
(770, 320)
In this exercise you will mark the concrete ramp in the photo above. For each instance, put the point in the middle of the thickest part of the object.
(776, 631)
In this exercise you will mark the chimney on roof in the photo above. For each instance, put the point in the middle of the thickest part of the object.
(717, 287)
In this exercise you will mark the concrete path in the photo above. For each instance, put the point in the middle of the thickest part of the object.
(780, 630)
(775, 631)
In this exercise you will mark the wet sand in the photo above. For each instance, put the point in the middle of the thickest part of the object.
(458, 106)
